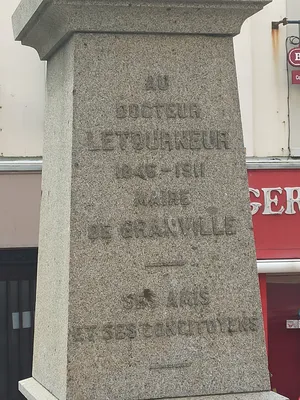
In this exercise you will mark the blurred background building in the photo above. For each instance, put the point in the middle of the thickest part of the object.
(270, 107)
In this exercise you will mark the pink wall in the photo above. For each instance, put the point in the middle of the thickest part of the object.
(20, 196)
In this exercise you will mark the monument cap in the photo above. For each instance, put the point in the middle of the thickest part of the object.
(46, 24)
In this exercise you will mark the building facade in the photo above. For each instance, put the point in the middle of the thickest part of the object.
(270, 103)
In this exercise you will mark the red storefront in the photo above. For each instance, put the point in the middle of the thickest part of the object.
(275, 205)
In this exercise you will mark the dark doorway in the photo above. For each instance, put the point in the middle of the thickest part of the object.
(283, 297)
(17, 303)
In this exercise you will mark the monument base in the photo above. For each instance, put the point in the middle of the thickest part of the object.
(33, 390)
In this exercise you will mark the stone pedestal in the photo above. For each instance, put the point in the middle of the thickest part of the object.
(147, 282)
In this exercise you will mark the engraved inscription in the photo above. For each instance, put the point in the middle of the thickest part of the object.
(161, 313)
(197, 296)
(171, 366)
(191, 227)
(158, 82)
(164, 264)
(186, 169)
(167, 328)
(146, 299)
(102, 231)
(146, 171)
(178, 227)
(158, 140)
(143, 171)
(187, 298)
(162, 198)
(158, 110)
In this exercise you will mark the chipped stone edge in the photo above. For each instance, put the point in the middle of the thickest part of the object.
(33, 390)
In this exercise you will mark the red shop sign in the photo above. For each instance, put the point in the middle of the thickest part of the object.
(275, 207)
(294, 57)
(296, 77)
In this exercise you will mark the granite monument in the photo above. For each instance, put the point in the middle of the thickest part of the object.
(147, 282)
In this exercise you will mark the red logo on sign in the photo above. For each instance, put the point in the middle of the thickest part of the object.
(296, 77)
(294, 57)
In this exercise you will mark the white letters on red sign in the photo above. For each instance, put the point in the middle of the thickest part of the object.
(291, 200)
(290, 195)
(271, 200)
(255, 206)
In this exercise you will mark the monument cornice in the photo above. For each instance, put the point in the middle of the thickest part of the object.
(46, 24)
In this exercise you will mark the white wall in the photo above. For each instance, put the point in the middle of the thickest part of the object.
(22, 86)
(243, 60)
(261, 68)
